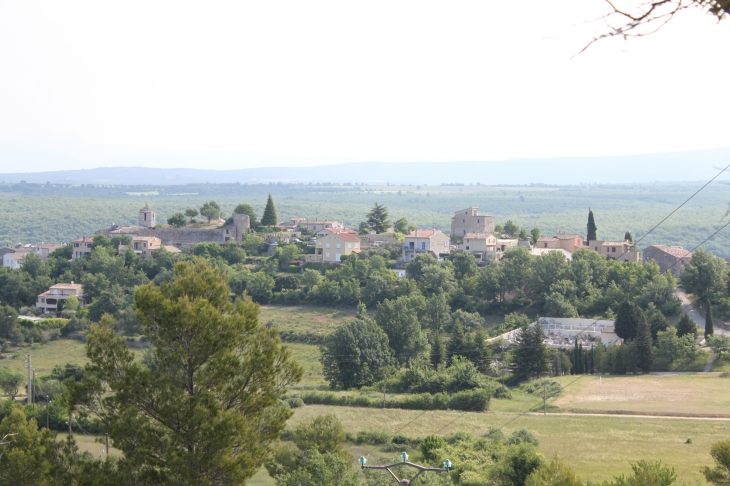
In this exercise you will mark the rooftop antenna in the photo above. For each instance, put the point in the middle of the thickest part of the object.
(404, 462)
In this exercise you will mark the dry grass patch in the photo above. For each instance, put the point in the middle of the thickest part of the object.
(698, 394)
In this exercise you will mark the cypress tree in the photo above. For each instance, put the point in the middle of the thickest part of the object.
(686, 326)
(628, 237)
(644, 350)
(709, 326)
(591, 226)
(269, 218)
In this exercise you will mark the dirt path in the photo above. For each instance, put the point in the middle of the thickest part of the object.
(621, 415)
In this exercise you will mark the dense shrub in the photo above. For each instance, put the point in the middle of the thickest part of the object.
(470, 400)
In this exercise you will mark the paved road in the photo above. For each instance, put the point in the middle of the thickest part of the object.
(688, 308)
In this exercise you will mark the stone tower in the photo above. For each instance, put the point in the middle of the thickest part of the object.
(147, 217)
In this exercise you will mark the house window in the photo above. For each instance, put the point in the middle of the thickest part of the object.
(319, 243)
(327, 255)
(477, 221)
(411, 245)
(613, 249)
(356, 245)
(464, 231)
(326, 245)
(349, 245)
(423, 245)
(337, 246)
(463, 221)
(467, 247)
(545, 245)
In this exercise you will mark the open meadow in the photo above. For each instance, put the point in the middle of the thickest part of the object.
(598, 448)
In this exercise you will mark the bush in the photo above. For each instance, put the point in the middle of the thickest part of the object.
(502, 392)
(294, 402)
(471, 400)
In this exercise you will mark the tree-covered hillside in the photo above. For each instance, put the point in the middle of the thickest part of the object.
(40, 212)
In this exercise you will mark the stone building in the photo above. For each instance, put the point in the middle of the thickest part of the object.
(147, 217)
(469, 220)
(178, 237)
(672, 258)
(615, 250)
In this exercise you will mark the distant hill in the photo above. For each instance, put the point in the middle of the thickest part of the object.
(676, 166)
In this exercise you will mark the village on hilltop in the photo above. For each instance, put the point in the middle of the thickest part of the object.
(471, 232)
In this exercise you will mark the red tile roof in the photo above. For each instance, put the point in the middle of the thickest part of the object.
(346, 236)
(563, 236)
(547, 238)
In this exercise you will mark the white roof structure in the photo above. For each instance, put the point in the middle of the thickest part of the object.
(562, 332)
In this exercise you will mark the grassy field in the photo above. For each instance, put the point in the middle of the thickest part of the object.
(305, 319)
(699, 394)
(307, 355)
(596, 447)
(45, 356)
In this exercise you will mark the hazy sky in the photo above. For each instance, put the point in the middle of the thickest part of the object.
(247, 84)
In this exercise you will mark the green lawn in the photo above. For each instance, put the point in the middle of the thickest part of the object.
(302, 319)
(307, 355)
(45, 356)
(596, 447)
(697, 394)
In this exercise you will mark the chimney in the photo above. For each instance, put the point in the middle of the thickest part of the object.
(72, 282)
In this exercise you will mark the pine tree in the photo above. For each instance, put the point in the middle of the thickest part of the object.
(457, 344)
(531, 356)
(657, 323)
(686, 326)
(628, 319)
(438, 350)
(628, 237)
(709, 326)
(644, 350)
(481, 355)
(269, 218)
(378, 219)
(591, 226)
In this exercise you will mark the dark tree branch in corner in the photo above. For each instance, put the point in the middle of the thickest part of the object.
(650, 16)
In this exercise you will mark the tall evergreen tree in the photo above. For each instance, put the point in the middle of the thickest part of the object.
(709, 325)
(686, 326)
(269, 218)
(378, 219)
(628, 237)
(628, 320)
(457, 345)
(438, 350)
(657, 323)
(531, 356)
(481, 356)
(644, 349)
(591, 226)
(208, 411)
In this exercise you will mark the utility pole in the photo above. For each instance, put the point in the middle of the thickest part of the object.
(404, 458)
(33, 389)
(30, 385)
